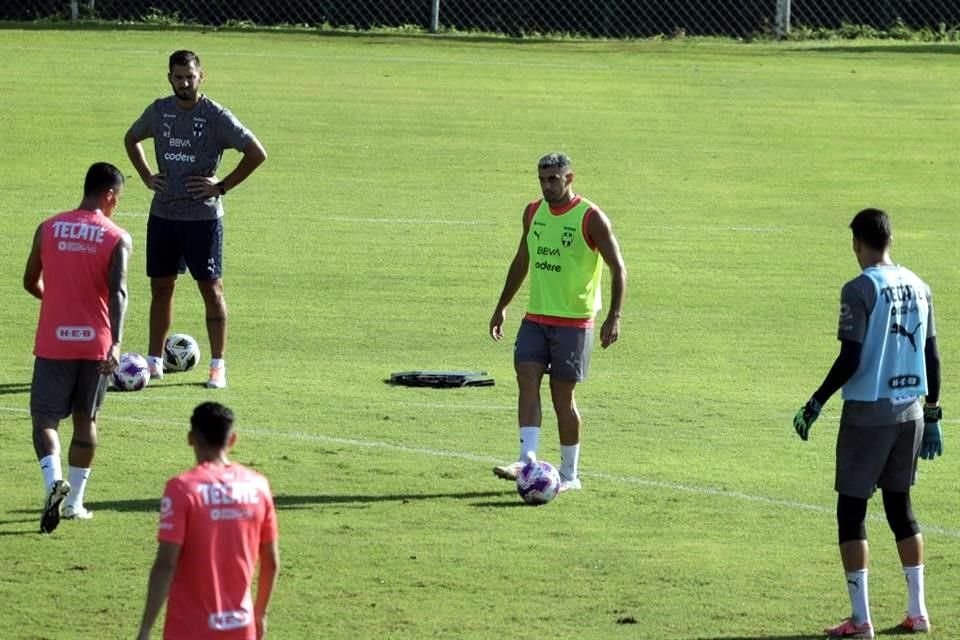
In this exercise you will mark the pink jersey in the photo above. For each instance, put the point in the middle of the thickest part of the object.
(75, 252)
(219, 515)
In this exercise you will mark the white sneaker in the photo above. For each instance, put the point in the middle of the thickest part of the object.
(218, 378)
(570, 485)
(508, 471)
(76, 512)
(155, 369)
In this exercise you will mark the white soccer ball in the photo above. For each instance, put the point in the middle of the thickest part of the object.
(132, 374)
(538, 482)
(180, 352)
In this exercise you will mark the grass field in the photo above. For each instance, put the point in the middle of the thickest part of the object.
(376, 239)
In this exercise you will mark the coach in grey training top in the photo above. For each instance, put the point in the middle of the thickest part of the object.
(185, 230)
(189, 143)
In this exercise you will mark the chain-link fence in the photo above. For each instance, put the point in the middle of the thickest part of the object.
(594, 18)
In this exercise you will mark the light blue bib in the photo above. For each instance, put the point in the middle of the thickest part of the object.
(892, 363)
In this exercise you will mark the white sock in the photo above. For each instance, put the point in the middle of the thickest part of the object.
(569, 461)
(155, 361)
(216, 363)
(859, 596)
(51, 470)
(77, 477)
(916, 605)
(529, 439)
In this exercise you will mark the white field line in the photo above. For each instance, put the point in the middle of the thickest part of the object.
(473, 457)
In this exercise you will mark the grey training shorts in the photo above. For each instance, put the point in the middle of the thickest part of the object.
(564, 351)
(63, 387)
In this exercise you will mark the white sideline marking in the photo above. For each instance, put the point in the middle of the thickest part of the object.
(462, 455)
(657, 484)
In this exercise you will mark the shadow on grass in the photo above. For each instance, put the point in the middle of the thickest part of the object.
(14, 387)
(34, 525)
(162, 385)
(152, 505)
(893, 48)
(802, 636)
(891, 631)
(299, 502)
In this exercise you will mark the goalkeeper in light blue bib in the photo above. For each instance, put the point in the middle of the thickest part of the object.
(888, 363)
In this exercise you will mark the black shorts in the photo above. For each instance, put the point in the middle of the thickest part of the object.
(173, 246)
(61, 388)
(874, 456)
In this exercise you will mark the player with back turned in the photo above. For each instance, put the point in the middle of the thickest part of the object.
(888, 360)
(217, 526)
(77, 268)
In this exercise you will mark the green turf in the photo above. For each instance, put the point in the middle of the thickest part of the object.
(376, 239)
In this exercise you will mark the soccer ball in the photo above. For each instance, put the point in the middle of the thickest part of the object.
(180, 352)
(538, 481)
(132, 374)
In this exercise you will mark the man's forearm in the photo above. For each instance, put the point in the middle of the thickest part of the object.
(117, 278)
(252, 158)
(932, 360)
(138, 158)
(158, 587)
(515, 277)
(618, 288)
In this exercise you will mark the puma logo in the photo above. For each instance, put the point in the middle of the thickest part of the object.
(900, 330)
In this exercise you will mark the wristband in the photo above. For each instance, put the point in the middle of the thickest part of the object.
(932, 414)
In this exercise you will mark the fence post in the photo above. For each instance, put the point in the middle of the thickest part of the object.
(74, 9)
(783, 18)
(435, 16)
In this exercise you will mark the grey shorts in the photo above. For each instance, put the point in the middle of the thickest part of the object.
(870, 456)
(564, 351)
(61, 388)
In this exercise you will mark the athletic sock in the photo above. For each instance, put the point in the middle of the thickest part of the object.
(859, 595)
(51, 470)
(529, 439)
(569, 461)
(155, 361)
(78, 485)
(217, 363)
(916, 605)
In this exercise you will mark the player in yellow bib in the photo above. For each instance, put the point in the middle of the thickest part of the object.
(565, 242)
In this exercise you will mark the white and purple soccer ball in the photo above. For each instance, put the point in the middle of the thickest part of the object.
(132, 374)
(538, 481)
(180, 352)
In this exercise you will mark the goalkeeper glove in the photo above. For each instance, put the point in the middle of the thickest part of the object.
(932, 444)
(805, 418)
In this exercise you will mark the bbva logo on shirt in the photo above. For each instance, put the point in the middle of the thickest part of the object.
(226, 620)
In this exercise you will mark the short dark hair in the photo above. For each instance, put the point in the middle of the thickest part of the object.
(212, 422)
(554, 160)
(872, 226)
(101, 177)
(184, 58)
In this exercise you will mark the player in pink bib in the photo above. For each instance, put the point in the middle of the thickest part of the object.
(77, 268)
(217, 522)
